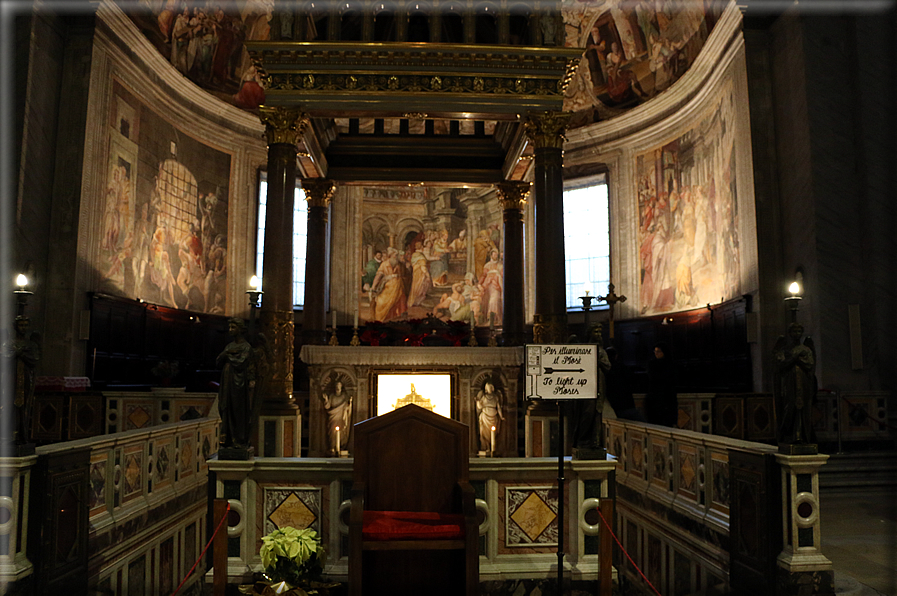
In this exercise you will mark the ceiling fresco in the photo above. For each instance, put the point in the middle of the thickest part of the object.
(633, 49)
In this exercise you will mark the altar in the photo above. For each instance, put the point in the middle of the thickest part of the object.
(477, 386)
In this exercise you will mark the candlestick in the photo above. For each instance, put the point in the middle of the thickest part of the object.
(355, 320)
(337, 441)
(492, 447)
(333, 319)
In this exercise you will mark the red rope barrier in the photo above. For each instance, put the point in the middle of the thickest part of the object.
(617, 540)
(203, 553)
(869, 416)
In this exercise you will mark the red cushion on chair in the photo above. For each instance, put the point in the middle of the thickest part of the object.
(411, 525)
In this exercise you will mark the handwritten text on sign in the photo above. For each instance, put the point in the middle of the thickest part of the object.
(558, 371)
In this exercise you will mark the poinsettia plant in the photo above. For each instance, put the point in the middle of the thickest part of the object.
(291, 555)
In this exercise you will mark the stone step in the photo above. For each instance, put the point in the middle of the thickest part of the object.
(859, 469)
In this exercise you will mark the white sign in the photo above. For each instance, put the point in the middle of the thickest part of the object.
(559, 371)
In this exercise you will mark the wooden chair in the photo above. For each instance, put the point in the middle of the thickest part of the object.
(413, 527)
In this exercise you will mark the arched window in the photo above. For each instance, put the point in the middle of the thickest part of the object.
(486, 27)
(384, 22)
(300, 239)
(586, 239)
(453, 25)
(518, 26)
(351, 22)
(418, 23)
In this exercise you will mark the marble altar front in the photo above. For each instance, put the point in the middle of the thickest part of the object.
(351, 374)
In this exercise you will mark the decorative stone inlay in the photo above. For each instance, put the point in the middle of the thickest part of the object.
(137, 416)
(295, 507)
(687, 471)
(162, 463)
(133, 473)
(533, 511)
(97, 484)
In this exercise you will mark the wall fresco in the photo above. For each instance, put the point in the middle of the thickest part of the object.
(431, 252)
(163, 230)
(688, 239)
(634, 50)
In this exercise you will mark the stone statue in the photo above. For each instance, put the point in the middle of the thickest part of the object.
(25, 348)
(587, 413)
(489, 414)
(795, 386)
(338, 406)
(236, 394)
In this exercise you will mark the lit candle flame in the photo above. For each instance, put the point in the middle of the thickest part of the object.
(21, 280)
(794, 288)
(254, 282)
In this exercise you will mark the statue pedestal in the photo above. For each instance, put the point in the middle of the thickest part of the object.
(801, 561)
(235, 453)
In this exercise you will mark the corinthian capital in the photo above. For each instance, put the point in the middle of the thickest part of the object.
(283, 125)
(546, 129)
(512, 194)
(318, 191)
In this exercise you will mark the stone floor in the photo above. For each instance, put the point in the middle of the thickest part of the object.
(859, 535)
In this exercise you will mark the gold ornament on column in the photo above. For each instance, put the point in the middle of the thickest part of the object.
(283, 125)
(546, 129)
(512, 194)
(318, 191)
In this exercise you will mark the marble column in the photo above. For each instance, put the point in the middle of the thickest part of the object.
(283, 128)
(513, 199)
(546, 132)
(318, 193)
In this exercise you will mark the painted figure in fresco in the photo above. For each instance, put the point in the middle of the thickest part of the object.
(795, 386)
(191, 273)
(387, 291)
(26, 352)
(370, 271)
(214, 284)
(493, 288)
(454, 306)
(338, 406)
(489, 414)
(595, 51)
(482, 247)
(180, 38)
(420, 275)
(160, 272)
(661, 401)
(237, 390)
(458, 246)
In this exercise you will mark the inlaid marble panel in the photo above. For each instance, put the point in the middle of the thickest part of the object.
(688, 471)
(162, 468)
(97, 490)
(297, 507)
(719, 465)
(636, 455)
(186, 455)
(659, 451)
(531, 516)
(133, 472)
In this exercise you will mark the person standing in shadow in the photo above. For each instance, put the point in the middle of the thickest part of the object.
(661, 403)
(619, 389)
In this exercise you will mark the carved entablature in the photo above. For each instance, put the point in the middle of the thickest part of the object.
(327, 76)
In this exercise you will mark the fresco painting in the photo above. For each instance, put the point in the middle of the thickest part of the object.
(203, 40)
(688, 239)
(634, 50)
(419, 260)
(163, 231)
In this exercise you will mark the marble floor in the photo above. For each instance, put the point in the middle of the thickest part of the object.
(859, 535)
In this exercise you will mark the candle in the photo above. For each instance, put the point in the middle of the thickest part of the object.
(333, 324)
(337, 440)
(471, 320)
(355, 323)
(493, 440)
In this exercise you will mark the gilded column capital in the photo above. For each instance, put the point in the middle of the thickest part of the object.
(546, 129)
(318, 191)
(283, 125)
(512, 194)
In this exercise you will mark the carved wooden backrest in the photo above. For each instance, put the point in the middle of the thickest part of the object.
(411, 460)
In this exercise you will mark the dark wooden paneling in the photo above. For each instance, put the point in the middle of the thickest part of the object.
(129, 338)
(709, 346)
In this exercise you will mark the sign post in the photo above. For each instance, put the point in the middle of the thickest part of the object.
(561, 372)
